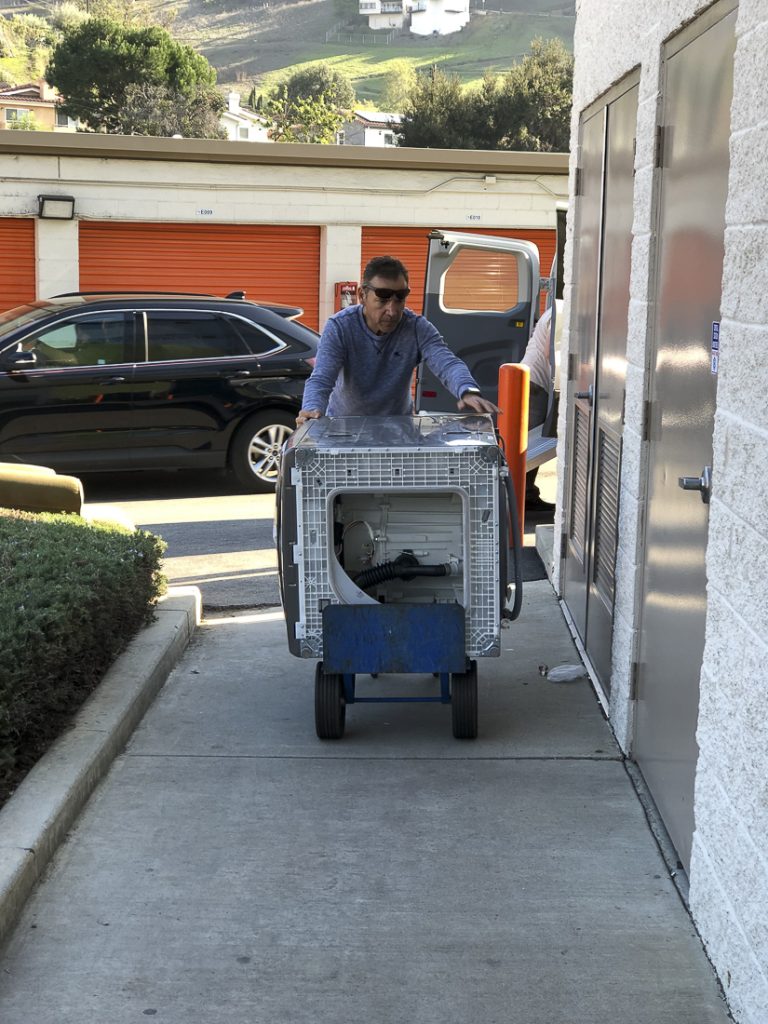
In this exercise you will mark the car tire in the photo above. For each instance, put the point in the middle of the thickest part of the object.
(254, 456)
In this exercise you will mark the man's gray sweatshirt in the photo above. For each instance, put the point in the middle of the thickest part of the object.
(359, 373)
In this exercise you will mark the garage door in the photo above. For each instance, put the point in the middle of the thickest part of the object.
(410, 245)
(271, 264)
(17, 261)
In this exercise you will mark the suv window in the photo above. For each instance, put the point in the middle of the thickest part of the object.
(260, 340)
(175, 335)
(84, 341)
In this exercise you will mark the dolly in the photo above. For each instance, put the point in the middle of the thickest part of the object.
(398, 547)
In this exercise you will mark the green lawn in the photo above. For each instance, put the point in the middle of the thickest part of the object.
(489, 43)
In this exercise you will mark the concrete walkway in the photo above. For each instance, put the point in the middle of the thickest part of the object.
(232, 869)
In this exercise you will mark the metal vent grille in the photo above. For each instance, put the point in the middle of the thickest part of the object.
(324, 472)
(606, 516)
(577, 526)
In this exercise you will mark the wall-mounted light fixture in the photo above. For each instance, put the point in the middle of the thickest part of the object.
(56, 207)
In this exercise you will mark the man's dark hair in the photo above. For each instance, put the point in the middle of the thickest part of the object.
(384, 266)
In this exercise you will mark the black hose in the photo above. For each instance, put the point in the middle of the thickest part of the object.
(394, 571)
(517, 551)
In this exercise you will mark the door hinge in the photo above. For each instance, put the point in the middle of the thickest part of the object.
(577, 182)
(647, 413)
(623, 406)
(563, 543)
(571, 366)
(661, 138)
(634, 680)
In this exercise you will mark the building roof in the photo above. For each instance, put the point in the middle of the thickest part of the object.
(139, 147)
(30, 92)
(376, 118)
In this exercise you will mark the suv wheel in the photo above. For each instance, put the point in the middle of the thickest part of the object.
(254, 456)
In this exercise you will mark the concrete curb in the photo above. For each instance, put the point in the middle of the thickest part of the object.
(46, 804)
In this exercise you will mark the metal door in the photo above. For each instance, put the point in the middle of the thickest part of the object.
(698, 73)
(480, 293)
(604, 232)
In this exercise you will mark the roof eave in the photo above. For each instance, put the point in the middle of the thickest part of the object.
(130, 147)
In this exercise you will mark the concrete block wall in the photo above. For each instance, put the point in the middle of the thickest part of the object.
(729, 869)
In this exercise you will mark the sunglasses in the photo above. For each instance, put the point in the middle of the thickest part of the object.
(385, 294)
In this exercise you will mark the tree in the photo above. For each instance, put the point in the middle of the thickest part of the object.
(301, 120)
(534, 104)
(399, 83)
(160, 110)
(437, 114)
(95, 62)
(321, 82)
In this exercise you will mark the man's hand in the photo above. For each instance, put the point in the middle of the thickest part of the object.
(476, 403)
(307, 414)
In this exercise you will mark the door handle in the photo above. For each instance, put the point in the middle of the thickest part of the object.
(114, 380)
(702, 484)
(588, 395)
(241, 377)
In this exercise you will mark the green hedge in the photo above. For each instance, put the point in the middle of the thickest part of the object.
(72, 594)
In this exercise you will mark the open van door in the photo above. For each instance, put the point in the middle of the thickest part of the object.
(482, 293)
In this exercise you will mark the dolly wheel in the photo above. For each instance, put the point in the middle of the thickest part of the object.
(330, 707)
(464, 703)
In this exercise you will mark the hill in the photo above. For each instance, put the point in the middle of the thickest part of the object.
(260, 43)
(257, 42)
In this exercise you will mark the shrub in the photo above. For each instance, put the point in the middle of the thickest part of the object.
(72, 594)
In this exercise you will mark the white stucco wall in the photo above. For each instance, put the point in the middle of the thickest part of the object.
(243, 193)
(436, 19)
(729, 870)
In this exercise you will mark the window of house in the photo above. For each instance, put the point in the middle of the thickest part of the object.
(62, 119)
(243, 133)
(16, 114)
(389, 138)
(193, 335)
(340, 138)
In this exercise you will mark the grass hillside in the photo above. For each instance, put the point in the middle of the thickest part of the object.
(256, 42)
(260, 44)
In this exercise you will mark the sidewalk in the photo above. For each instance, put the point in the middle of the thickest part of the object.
(233, 869)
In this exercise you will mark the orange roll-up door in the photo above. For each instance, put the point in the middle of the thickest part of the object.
(411, 245)
(17, 261)
(271, 263)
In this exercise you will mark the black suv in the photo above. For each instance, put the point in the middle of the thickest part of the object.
(145, 381)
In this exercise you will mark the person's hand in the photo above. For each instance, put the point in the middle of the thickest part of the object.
(476, 403)
(307, 414)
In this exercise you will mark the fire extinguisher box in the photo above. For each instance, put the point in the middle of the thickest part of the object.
(345, 294)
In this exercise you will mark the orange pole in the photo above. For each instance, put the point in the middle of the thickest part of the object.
(513, 428)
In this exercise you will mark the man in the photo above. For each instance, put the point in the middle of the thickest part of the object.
(368, 352)
(536, 358)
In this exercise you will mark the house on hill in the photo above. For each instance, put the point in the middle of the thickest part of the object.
(420, 17)
(369, 128)
(242, 124)
(34, 104)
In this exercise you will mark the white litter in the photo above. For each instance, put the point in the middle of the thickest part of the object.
(566, 673)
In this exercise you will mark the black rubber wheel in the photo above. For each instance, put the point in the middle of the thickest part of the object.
(464, 703)
(254, 455)
(330, 706)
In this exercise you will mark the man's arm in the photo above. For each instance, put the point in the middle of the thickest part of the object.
(452, 372)
(320, 383)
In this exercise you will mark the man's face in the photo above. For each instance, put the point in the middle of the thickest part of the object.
(383, 314)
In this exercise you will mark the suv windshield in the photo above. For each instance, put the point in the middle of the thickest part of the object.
(20, 315)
